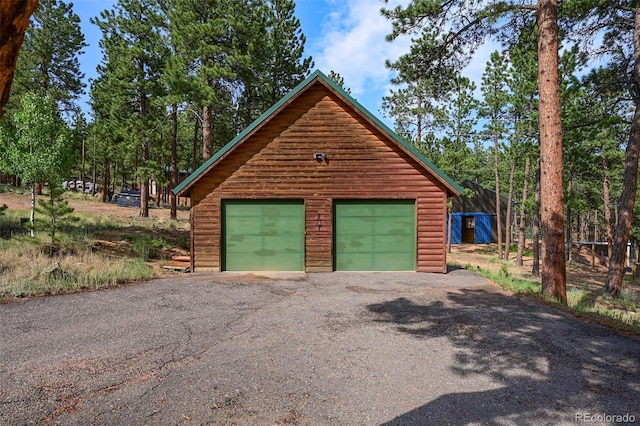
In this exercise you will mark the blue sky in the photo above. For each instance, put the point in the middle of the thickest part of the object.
(344, 36)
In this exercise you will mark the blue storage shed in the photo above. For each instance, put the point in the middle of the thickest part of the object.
(472, 228)
(474, 216)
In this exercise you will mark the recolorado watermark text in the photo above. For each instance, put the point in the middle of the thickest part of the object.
(604, 418)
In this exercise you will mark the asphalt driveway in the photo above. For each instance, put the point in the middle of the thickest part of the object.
(322, 349)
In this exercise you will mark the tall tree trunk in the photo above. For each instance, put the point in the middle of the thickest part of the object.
(95, 167)
(554, 279)
(14, 20)
(194, 156)
(206, 133)
(496, 147)
(105, 180)
(449, 219)
(112, 182)
(507, 220)
(32, 216)
(615, 274)
(82, 170)
(535, 269)
(144, 182)
(419, 122)
(569, 216)
(144, 179)
(173, 178)
(606, 198)
(523, 214)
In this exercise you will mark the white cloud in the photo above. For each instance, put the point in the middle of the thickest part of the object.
(353, 44)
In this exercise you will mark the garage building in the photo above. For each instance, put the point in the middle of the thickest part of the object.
(318, 184)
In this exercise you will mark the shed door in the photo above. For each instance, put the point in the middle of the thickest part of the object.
(263, 235)
(469, 229)
(375, 235)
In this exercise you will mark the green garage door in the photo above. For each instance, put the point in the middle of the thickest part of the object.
(263, 235)
(375, 235)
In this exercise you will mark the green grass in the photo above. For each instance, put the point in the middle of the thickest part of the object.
(623, 313)
(26, 270)
(146, 247)
(14, 190)
(507, 282)
(34, 266)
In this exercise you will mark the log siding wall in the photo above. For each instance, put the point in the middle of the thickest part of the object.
(277, 162)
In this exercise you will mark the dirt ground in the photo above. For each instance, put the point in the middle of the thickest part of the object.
(126, 221)
(93, 205)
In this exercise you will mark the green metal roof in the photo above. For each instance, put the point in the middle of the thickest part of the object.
(318, 75)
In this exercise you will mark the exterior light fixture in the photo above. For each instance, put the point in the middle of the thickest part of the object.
(320, 156)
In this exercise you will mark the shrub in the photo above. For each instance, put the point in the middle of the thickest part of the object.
(146, 247)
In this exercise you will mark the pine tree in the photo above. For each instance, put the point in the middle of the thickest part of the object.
(414, 110)
(339, 80)
(496, 103)
(457, 117)
(49, 60)
(56, 211)
(524, 114)
(134, 57)
(203, 35)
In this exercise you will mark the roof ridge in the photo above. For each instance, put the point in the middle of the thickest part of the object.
(453, 187)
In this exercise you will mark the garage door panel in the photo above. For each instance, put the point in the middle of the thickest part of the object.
(357, 244)
(390, 210)
(400, 261)
(347, 209)
(243, 226)
(394, 244)
(395, 227)
(237, 261)
(375, 235)
(263, 235)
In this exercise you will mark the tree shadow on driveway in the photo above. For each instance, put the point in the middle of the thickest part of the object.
(521, 363)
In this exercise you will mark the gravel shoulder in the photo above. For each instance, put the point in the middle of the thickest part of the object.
(316, 349)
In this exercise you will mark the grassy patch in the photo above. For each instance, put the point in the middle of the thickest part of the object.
(10, 223)
(96, 251)
(27, 270)
(10, 189)
(507, 282)
(146, 247)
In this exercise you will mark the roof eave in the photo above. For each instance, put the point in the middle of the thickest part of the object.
(453, 188)
(257, 124)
